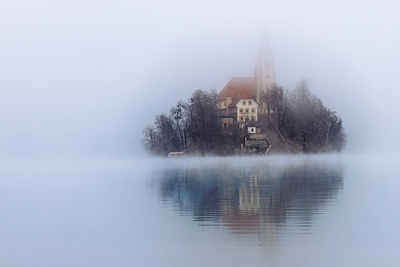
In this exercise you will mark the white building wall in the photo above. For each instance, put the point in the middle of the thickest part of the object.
(247, 108)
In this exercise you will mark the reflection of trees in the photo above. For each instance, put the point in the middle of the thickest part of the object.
(252, 199)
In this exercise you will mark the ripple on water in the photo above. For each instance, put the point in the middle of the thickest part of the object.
(257, 200)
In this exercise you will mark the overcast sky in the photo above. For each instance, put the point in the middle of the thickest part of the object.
(84, 77)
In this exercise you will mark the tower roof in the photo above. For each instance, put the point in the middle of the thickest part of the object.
(239, 87)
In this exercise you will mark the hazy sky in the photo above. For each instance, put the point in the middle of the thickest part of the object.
(84, 77)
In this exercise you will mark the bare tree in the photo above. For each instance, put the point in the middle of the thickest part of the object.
(277, 104)
(177, 114)
(313, 125)
(150, 139)
(203, 124)
(169, 137)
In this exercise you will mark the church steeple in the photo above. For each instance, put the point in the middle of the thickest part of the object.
(264, 75)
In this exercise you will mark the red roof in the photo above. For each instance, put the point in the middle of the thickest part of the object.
(239, 87)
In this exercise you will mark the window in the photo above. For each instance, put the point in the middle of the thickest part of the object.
(249, 103)
(244, 103)
(253, 110)
(224, 104)
(240, 110)
(241, 119)
(247, 110)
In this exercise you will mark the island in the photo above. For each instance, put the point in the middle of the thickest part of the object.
(250, 115)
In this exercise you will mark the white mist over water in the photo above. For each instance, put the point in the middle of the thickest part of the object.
(82, 78)
(280, 210)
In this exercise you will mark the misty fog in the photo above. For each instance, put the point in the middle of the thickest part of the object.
(82, 78)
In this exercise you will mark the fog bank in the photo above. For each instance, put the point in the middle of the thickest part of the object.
(82, 78)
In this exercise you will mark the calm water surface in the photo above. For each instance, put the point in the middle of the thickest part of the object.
(268, 211)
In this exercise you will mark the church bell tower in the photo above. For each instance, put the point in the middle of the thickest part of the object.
(264, 76)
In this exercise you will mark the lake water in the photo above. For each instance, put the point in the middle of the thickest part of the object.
(332, 210)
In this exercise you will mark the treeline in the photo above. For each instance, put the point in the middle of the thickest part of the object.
(302, 118)
(193, 126)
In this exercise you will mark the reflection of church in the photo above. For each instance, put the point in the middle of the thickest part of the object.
(253, 201)
(249, 195)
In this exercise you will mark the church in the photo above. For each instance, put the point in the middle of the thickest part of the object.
(241, 100)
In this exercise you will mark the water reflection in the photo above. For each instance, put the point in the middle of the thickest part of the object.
(252, 199)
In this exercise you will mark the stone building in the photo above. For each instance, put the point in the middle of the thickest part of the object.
(256, 141)
(241, 99)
